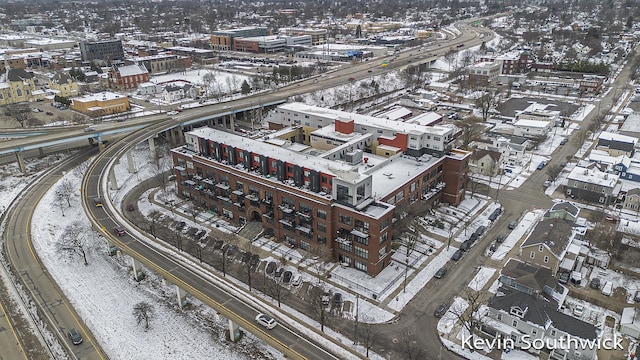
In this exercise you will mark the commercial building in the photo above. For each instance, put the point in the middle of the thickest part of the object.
(104, 103)
(224, 39)
(484, 74)
(196, 55)
(318, 36)
(334, 198)
(162, 63)
(127, 77)
(270, 44)
(103, 51)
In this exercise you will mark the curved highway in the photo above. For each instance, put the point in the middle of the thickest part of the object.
(52, 305)
(45, 292)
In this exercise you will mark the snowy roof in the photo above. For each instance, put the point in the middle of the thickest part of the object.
(395, 113)
(103, 96)
(605, 135)
(426, 119)
(593, 176)
(132, 70)
(404, 127)
(600, 156)
(190, 49)
(632, 123)
(531, 123)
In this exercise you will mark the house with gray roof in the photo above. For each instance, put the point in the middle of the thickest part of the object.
(524, 318)
(546, 245)
(563, 210)
(590, 184)
(528, 278)
(616, 144)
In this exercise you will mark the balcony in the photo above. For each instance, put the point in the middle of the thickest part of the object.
(267, 200)
(225, 199)
(304, 229)
(237, 192)
(222, 186)
(304, 215)
(208, 181)
(286, 222)
(286, 208)
(252, 197)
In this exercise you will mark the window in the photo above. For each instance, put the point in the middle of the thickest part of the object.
(322, 239)
(360, 265)
(540, 248)
(546, 259)
(382, 252)
(384, 224)
(534, 332)
(532, 255)
(383, 237)
(514, 323)
(344, 219)
(322, 227)
(361, 240)
(345, 247)
(189, 165)
(322, 214)
(361, 252)
(553, 333)
(499, 317)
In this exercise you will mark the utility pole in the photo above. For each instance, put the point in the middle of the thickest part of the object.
(406, 269)
(355, 330)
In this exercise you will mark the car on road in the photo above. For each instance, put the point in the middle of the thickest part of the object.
(74, 336)
(266, 321)
(466, 245)
(352, 79)
(172, 112)
(578, 310)
(440, 273)
(501, 238)
(595, 283)
(512, 225)
(456, 255)
(440, 311)
(541, 165)
(369, 70)
(97, 202)
(546, 183)
(89, 129)
(564, 141)
(119, 230)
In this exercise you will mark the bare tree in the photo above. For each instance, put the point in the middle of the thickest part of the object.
(74, 239)
(487, 102)
(275, 290)
(470, 317)
(553, 171)
(369, 333)
(472, 129)
(319, 307)
(410, 345)
(59, 200)
(143, 312)
(20, 112)
(65, 191)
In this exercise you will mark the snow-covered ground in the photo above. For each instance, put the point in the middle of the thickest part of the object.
(482, 277)
(526, 224)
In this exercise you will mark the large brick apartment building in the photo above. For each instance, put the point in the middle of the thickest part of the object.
(341, 208)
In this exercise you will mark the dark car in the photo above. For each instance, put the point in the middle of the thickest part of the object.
(636, 297)
(286, 277)
(465, 245)
(512, 225)
(217, 245)
(337, 299)
(130, 207)
(473, 237)
(501, 238)
(493, 247)
(271, 267)
(278, 272)
(595, 283)
(255, 259)
(440, 273)
(75, 337)
(440, 311)
(246, 256)
(564, 141)
(97, 202)
(563, 278)
(456, 255)
(494, 215)
(480, 230)
(180, 225)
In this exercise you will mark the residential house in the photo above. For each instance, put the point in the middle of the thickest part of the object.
(631, 125)
(150, 88)
(591, 185)
(632, 200)
(630, 322)
(527, 278)
(547, 243)
(532, 128)
(17, 86)
(176, 92)
(511, 148)
(512, 315)
(63, 85)
(591, 85)
(563, 210)
(100, 104)
(127, 77)
(616, 144)
(485, 162)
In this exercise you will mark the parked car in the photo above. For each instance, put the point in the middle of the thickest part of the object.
(232, 250)
(563, 278)
(286, 277)
(278, 272)
(493, 247)
(636, 297)
(578, 310)
(500, 238)
(546, 183)
(541, 165)
(480, 230)
(297, 280)
(246, 256)
(456, 255)
(326, 298)
(595, 283)
(266, 321)
(564, 141)
(494, 215)
(255, 259)
(440, 273)
(512, 225)
(337, 299)
(75, 337)
(440, 311)
(466, 245)
(607, 288)
(119, 230)
(180, 225)
(473, 237)
(89, 129)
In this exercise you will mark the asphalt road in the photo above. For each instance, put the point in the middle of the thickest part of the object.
(52, 305)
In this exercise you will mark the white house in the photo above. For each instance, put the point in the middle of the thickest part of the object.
(630, 322)
(532, 128)
(177, 92)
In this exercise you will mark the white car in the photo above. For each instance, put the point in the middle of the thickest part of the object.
(266, 321)
(578, 310)
(172, 113)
